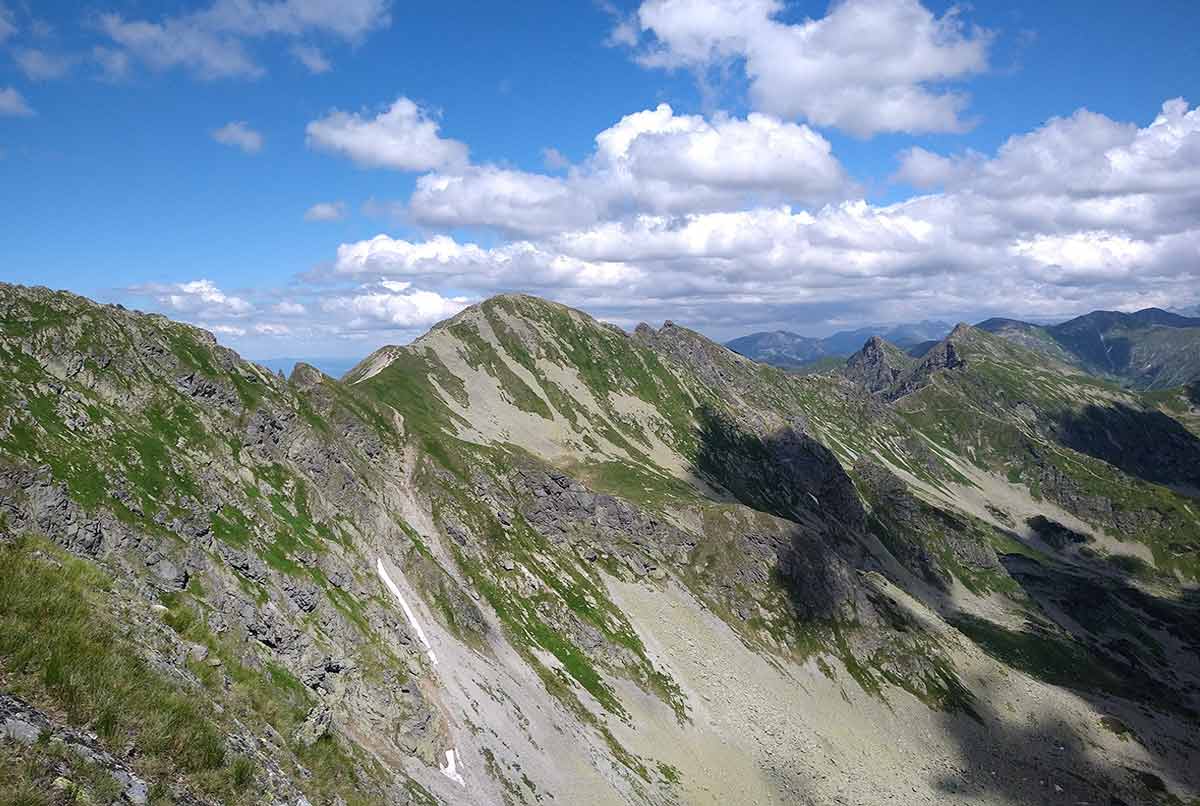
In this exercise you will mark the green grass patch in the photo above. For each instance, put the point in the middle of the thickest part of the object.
(83, 668)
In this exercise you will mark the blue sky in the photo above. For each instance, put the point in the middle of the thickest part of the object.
(171, 156)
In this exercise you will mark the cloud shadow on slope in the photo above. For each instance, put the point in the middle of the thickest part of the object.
(1134, 657)
(1098, 636)
(1146, 444)
(790, 475)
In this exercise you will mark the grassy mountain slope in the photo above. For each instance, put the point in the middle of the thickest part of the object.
(626, 560)
(1111, 457)
(1149, 349)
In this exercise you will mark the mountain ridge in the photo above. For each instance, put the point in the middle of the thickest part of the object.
(783, 348)
(1147, 349)
(638, 541)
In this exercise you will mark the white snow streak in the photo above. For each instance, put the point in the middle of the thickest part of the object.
(451, 768)
(412, 618)
(453, 762)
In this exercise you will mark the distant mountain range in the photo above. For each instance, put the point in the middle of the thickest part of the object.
(792, 351)
(1149, 349)
(530, 555)
(333, 367)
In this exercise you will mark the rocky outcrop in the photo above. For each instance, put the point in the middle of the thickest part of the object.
(519, 473)
(563, 509)
(931, 543)
(24, 724)
(878, 366)
(885, 370)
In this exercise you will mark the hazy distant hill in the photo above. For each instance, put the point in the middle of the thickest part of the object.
(790, 350)
(333, 367)
(1149, 349)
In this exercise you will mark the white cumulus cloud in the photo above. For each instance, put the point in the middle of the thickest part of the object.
(403, 137)
(442, 260)
(391, 309)
(239, 135)
(1083, 212)
(650, 161)
(868, 66)
(224, 330)
(201, 297)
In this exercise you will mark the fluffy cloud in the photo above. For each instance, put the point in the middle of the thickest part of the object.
(868, 66)
(326, 211)
(212, 42)
(1088, 154)
(508, 200)
(403, 308)
(224, 330)
(403, 137)
(442, 260)
(924, 169)
(651, 161)
(198, 297)
(364, 308)
(1083, 212)
(1079, 173)
(757, 155)
(12, 103)
(41, 65)
(239, 135)
(312, 58)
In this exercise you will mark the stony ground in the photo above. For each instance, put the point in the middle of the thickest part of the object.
(533, 559)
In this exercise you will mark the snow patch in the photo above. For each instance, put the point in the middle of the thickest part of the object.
(451, 770)
(412, 618)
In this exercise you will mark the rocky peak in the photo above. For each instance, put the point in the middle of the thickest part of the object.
(715, 365)
(306, 376)
(492, 490)
(878, 365)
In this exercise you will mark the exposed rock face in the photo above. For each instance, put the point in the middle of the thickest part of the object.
(186, 480)
(877, 366)
(560, 508)
(26, 725)
(929, 542)
(513, 560)
(886, 370)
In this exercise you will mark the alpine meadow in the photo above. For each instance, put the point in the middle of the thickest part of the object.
(642, 403)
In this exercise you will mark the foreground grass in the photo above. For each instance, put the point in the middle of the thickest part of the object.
(28, 776)
(60, 649)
